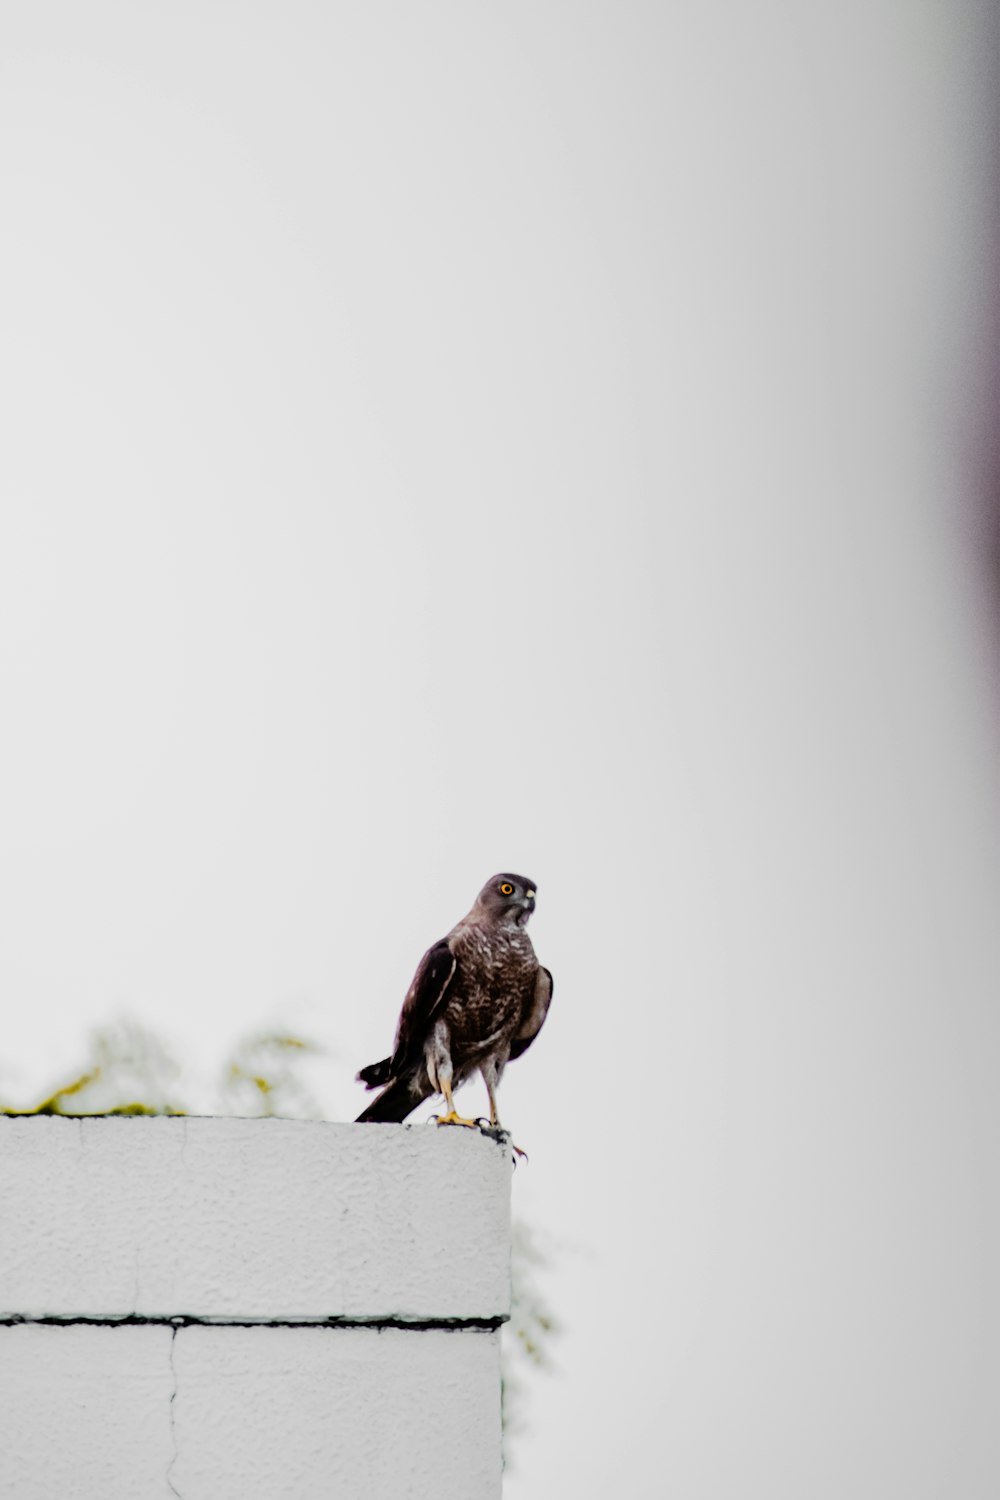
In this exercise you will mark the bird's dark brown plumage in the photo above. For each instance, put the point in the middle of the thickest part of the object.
(479, 997)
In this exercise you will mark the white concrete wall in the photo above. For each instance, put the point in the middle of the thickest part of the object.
(243, 1308)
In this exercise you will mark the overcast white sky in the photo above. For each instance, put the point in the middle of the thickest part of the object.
(440, 438)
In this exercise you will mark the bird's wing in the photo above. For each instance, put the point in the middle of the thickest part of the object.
(422, 1005)
(534, 1016)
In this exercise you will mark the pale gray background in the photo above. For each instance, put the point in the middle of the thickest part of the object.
(447, 437)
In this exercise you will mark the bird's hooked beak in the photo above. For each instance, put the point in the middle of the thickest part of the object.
(527, 902)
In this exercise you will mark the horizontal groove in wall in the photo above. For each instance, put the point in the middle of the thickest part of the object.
(418, 1325)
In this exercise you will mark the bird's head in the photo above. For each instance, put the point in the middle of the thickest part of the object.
(507, 898)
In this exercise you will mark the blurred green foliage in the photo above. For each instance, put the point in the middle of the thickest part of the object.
(527, 1338)
(131, 1071)
(261, 1078)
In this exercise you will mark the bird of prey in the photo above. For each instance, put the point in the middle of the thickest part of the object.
(478, 999)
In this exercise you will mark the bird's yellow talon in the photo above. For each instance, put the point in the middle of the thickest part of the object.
(454, 1118)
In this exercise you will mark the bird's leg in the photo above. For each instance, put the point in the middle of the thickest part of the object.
(489, 1072)
(491, 1077)
(444, 1076)
(440, 1072)
(452, 1117)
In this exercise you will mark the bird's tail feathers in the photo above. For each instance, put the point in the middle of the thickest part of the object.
(395, 1102)
(376, 1074)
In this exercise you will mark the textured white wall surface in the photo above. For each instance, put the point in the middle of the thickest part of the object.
(86, 1411)
(232, 1241)
(131, 1412)
(251, 1219)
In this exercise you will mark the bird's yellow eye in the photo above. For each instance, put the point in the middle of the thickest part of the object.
(506, 889)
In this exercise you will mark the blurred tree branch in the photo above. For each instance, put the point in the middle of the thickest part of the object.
(528, 1336)
(130, 1071)
(261, 1079)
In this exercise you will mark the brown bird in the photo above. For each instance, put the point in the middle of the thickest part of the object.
(478, 999)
